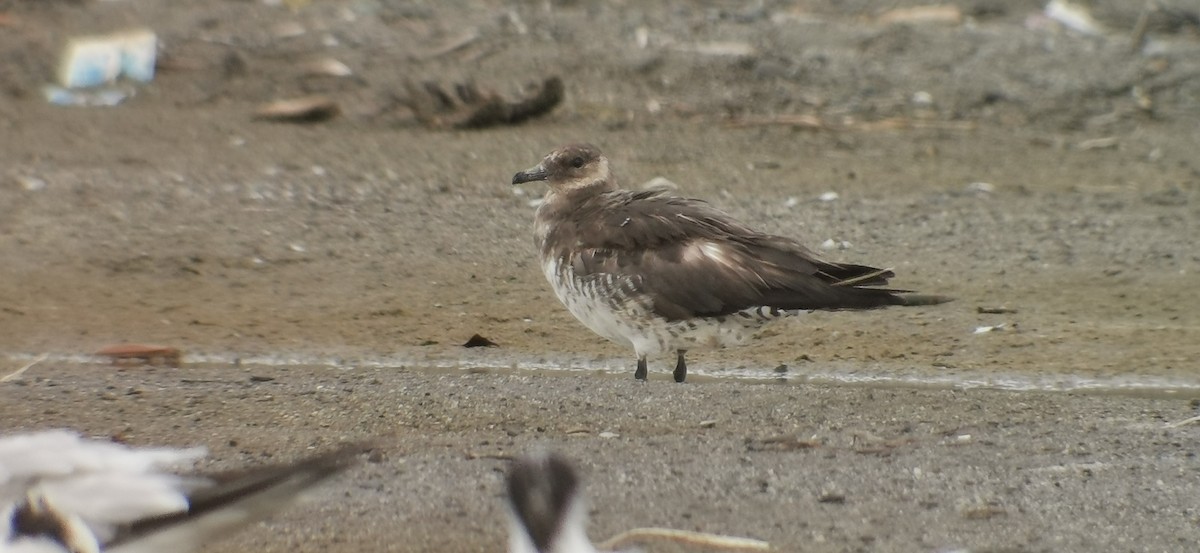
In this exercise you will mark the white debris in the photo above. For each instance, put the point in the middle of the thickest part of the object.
(31, 183)
(792, 201)
(832, 244)
(103, 96)
(536, 202)
(922, 14)
(828, 196)
(298, 248)
(641, 36)
(1102, 143)
(307, 108)
(328, 67)
(96, 60)
(987, 329)
(981, 187)
(726, 49)
(922, 98)
(608, 435)
(1073, 17)
(517, 23)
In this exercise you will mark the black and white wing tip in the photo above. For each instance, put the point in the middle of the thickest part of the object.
(60, 492)
(233, 501)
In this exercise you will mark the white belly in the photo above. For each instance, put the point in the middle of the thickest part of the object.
(609, 305)
(591, 301)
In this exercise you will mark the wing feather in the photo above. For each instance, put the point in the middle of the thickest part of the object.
(692, 260)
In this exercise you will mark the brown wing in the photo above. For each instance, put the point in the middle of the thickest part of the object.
(694, 260)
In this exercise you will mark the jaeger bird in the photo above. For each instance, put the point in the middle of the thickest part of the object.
(658, 272)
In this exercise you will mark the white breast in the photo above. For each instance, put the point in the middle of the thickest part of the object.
(610, 306)
(598, 303)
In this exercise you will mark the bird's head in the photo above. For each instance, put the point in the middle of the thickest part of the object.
(569, 168)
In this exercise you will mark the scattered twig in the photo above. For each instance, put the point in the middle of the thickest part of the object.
(797, 120)
(904, 123)
(466, 106)
(922, 14)
(717, 541)
(471, 456)
(994, 310)
(142, 353)
(308, 109)
(1177, 424)
(808, 121)
(1139, 28)
(1102, 143)
(455, 44)
(885, 448)
(21, 370)
(984, 513)
(787, 442)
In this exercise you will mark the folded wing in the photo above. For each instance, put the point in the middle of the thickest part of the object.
(694, 260)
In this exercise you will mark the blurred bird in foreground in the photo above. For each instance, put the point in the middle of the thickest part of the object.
(547, 514)
(60, 492)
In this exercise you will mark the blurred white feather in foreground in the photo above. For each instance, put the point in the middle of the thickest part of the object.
(60, 492)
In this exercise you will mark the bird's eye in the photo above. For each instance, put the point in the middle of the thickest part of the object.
(577, 162)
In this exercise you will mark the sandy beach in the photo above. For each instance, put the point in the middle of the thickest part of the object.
(321, 278)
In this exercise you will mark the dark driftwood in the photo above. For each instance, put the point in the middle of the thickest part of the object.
(469, 107)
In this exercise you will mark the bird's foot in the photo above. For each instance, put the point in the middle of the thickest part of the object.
(680, 373)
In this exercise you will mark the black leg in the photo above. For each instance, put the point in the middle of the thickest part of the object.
(640, 373)
(680, 367)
